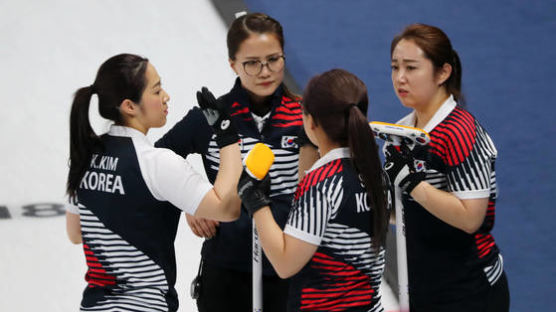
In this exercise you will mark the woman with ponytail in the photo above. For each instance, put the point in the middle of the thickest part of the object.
(449, 186)
(126, 196)
(333, 242)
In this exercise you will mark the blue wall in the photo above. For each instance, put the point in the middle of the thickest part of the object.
(509, 63)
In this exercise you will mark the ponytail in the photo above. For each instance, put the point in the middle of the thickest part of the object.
(364, 154)
(337, 100)
(83, 140)
(453, 84)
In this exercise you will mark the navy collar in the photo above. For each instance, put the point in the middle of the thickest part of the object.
(241, 95)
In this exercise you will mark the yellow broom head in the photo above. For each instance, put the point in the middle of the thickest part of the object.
(258, 161)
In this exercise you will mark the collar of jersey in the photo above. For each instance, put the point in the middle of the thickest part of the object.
(122, 131)
(337, 153)
(445, 109)
(239, 94)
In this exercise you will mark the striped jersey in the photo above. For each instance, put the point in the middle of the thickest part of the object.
(231, 246)
(443, 260)
(330, 210)
(128, 225)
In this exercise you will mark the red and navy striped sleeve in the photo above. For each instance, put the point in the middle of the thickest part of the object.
(315, 201)
(468, 155)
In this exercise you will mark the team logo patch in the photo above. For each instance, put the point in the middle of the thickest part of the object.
(224, 124)
(289, 141)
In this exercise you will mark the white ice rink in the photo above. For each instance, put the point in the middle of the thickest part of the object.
(48, 49)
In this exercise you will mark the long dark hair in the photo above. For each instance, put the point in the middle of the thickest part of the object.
(437, 47)
(118, 78)
(335, 100)
(258, 23)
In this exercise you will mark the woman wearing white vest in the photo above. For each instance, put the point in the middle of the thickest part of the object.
(126, 196)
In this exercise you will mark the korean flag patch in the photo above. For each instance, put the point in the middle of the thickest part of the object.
(289, 141)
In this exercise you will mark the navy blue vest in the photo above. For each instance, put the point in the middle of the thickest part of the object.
(128, 235)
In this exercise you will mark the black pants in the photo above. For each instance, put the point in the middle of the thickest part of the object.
(495, 299)
(228, 290)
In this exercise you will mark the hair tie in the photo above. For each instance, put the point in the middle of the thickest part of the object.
(240, 14)
(348, 108)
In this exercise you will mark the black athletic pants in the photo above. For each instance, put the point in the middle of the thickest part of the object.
(496, 299)
(228, 290)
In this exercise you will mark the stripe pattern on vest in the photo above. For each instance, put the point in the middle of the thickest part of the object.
(466, 150)
(493, 272)
(361, 268)
(132, 280)
(288, 114)
(283, 172)
(346, 270)
(467, 155)
(321, 198)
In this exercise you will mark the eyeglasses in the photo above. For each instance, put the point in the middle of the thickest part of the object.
(255, 67)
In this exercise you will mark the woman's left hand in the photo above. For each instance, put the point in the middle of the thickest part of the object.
(202, 227)
(254, 194)
(403, 169)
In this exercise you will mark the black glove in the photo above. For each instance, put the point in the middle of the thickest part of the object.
(217, 117)
(254, 193)
(402, 168)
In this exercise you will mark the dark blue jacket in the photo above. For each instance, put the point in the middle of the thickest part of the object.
(231, 247)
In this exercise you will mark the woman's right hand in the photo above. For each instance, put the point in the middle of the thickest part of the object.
(202, 227)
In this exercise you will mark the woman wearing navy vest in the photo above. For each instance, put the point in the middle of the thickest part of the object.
(126, 196)
(263, 110)
(333, 242)
(449, 186)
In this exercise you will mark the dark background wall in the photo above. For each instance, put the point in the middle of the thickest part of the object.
(509, 63)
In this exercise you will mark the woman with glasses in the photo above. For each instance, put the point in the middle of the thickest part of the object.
(263, 110)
